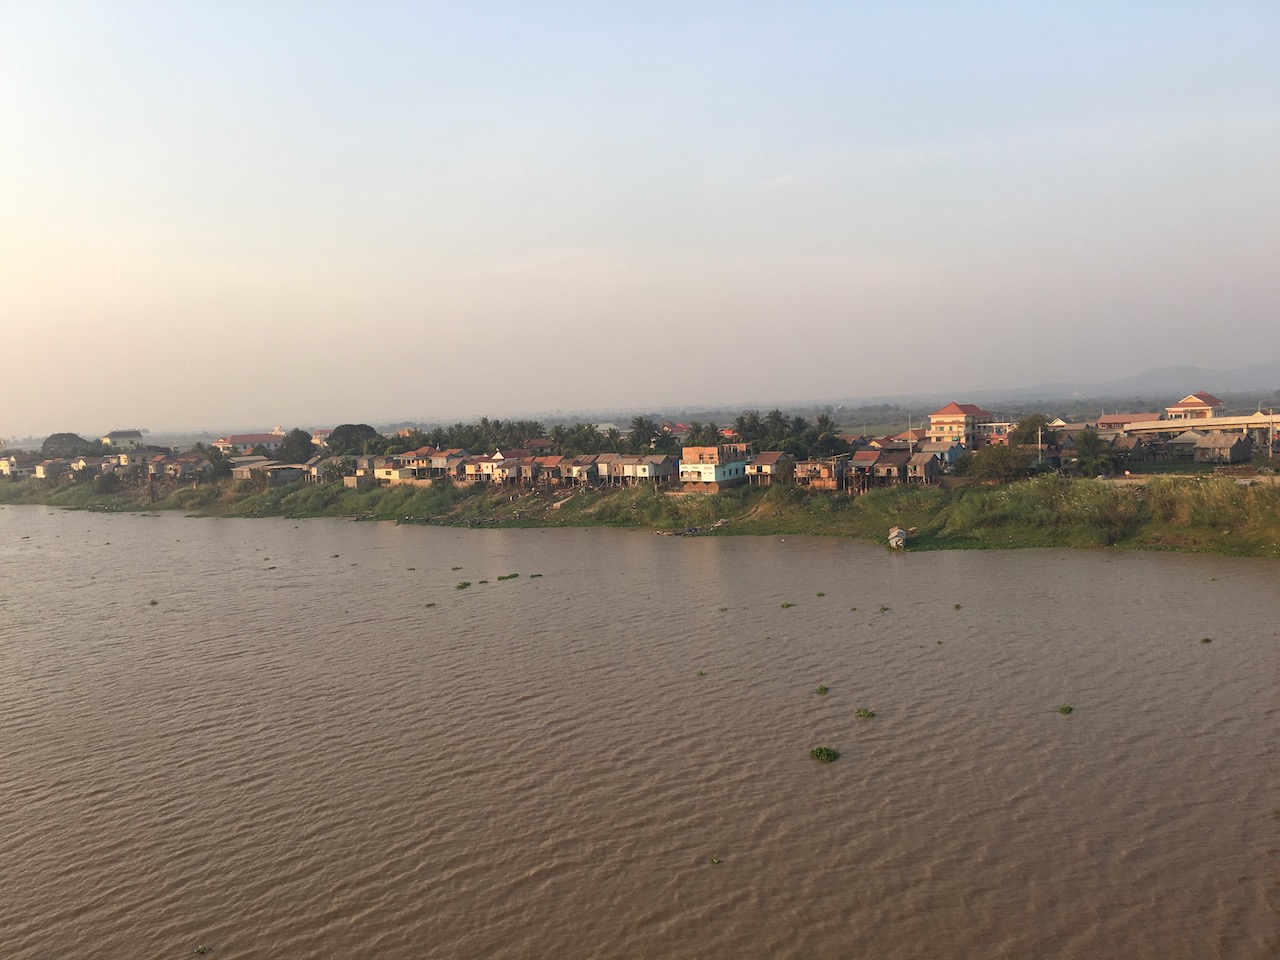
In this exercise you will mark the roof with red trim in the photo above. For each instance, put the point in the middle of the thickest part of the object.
(1198, 399)
(960, 409)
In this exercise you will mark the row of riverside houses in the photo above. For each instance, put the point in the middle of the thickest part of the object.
(913, 456)
(142, 462)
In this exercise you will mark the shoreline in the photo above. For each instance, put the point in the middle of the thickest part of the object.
(1189, 515)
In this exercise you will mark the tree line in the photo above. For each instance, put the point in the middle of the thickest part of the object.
(774, 430)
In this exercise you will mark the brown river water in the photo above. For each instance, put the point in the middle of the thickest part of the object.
(314, 745)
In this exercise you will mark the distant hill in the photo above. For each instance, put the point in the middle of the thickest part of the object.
(1164, 380)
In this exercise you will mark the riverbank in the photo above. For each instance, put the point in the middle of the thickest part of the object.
(1208, 515)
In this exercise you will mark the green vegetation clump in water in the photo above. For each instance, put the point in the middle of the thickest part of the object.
(508, 576)
(864, 713)
(1065, 709)
(825, 754)
(823, 690)
(1209, 514)
(463, 584)
(787, 606)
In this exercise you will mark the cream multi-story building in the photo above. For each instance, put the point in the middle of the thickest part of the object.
(1196, 406)
(963, 423)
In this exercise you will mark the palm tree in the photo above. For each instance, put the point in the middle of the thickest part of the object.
(776, 423)
(1093, 454)
(643, 432)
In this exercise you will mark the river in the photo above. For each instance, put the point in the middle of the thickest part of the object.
(275, 738)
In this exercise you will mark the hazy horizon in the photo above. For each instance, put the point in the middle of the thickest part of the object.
(230, 214)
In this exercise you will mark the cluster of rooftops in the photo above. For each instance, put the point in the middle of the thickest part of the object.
(1194, 427)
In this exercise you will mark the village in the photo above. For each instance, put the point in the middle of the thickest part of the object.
(1195, 429)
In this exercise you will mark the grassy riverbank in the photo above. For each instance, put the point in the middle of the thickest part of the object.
(1214, 515)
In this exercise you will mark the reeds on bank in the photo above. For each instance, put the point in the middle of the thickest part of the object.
(1213, 514)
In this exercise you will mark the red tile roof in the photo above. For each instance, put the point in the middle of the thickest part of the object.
(770, 458)
(1198, 399)
(960, 409)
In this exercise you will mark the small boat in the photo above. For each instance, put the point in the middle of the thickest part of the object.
(897, 538)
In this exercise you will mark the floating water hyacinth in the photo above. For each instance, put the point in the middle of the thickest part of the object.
(825, 754)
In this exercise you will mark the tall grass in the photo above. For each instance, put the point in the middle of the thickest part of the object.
(1207, 514)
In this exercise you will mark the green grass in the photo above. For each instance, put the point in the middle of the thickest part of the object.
(825, 754)
(1200, 514)
(787, 606)
(463, 584)
(509, 576)
(823, 690)
(864, 713)
(1065, 709)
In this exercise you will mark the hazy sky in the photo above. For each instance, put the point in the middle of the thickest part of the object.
(229, 214)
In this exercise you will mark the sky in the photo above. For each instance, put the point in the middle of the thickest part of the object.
(223, 215)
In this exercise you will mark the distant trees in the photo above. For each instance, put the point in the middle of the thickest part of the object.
(1033, 428)
(1001, 463)
(296, 447)
(1094, 455)
(355, 439)
(69, 445)
(644, 433)
(774, 431)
